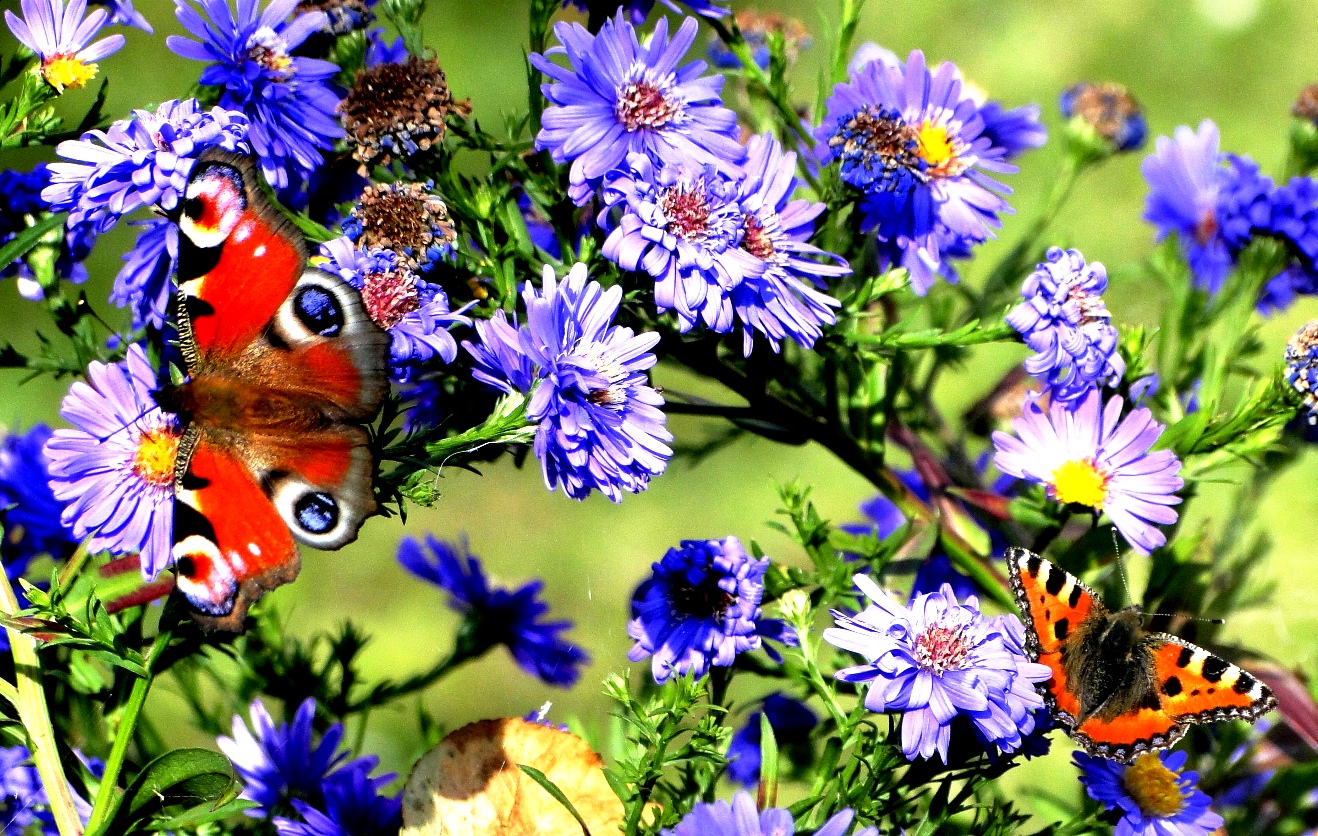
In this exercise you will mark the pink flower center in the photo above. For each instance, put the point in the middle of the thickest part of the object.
(941, 648)
(1091, 307)
(687, 212)
(1206, 229)
(644, 103)
(269, 50)
(389, 296)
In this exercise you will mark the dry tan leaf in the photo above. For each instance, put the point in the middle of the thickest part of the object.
(469, 785)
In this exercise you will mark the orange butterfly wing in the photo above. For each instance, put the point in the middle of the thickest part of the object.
(1053, 603)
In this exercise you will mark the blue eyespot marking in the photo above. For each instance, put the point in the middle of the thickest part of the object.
(318, 311)
(316, 512)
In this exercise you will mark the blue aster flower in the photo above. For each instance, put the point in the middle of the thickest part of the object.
(638, 10)
(29, 512)
(287, 98)
(62, 38)
(935, 661)
(24, 802)
(414, 312)
(281, 762)
(741, 818)
(618, 97)
(1015, 131)
(141, 161)
(496, 616)
(1152, 794)
(683, 224)
(1065, 322)
(599, 423)
(353, 806)
(912, 142)
(700, 608)
(115, 470)
(1294, 220)
(145, 285)
(791, 721)
(782, 298)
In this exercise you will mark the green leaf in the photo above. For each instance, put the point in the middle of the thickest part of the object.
(198, 779)
(768, 764)
(552, 788)
(27, 239)
(203, 813)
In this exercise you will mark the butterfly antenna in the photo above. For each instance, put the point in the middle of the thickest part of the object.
(1120, 568)
(124, 427)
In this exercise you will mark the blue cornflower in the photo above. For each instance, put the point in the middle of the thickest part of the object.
(600, 426)
(683, 224)
(781, 299)
(935, 661)
(701, 608)
(912, 142)
(791, 721)
(24, 798)
(141, 161)
(115, 471)
(287, 98)
(1109, 110)
(1064, 321)
(29, 511)
(619, 97)
(494, 615)
(756, 28)
(145, 285)
(280, 762)
(353, 806)
(638, 10)
(61, 38)
(741, 818)
(1153, 795)
(414, 312)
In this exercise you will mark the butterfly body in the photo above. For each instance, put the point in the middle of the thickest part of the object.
(283, 366)
(1119, 689)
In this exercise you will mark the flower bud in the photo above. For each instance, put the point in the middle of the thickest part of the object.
(795, 607)
(1104, 119)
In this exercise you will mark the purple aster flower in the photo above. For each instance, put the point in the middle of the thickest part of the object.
(496, 616)
(413, 311)
(740, 818)
(141, 161)
(61, 38)
(353, 806)
(619, 97)
(791, 721)
(115, 471)
(287, 98)
(1153, 795)
(1064, 321)
(24, 799)
(938, 660)
(278, 762)
(1015, 131)
(638, 10)
(912, 142)
(682, 223)
(1089, 455)
(123, 13)
(29, 512)
(146, 283)
(1109, 110)
(782, 299)
(701, 608)
(600, 426)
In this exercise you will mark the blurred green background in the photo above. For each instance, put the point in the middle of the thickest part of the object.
(1238, 62)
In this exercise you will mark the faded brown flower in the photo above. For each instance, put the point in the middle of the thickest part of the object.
(396, 110)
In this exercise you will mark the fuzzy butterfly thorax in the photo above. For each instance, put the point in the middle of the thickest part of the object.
(1118, 689)
(284, 366)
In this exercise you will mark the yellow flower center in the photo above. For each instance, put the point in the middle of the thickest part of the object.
(1153, 787)
(67, 71)
(935, 145)
(157, 451)
(1080, 481)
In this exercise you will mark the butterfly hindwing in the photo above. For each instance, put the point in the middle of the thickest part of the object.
(1197, 686)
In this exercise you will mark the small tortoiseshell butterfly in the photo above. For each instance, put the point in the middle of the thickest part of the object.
(1117, 689)
(283, 366)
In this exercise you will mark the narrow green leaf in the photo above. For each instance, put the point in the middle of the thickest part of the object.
(768, 796)
(191, 777)
(27, 239)
(552, 788)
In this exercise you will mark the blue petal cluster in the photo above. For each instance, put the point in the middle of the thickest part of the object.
(791, 721)
(30, 515)
(741, 818)
(497, 616)
(352, 805)
(937, 660)
(23, 202)
(599, 426)
(1064, 321)
(1116, 786)
(145, 284)
(287, 98)
(701, 608)
(23, 802)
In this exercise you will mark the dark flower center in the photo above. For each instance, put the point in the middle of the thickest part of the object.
(389, 296)
(756, 240)
(404, 218)
(398, 109)
(646, 104)
(881, 143)
(687, 211)
(704, 600)
(941, 648)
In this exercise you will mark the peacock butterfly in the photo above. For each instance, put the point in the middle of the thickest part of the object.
(1118, 689)
(283, 367)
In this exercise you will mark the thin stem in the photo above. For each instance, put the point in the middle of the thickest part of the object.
(32, 710)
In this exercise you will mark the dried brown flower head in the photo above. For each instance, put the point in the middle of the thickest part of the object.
(396, 110)
(1306, 104)
(405, 218)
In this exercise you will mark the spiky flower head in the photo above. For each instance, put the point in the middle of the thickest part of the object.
(405, 218)
(397, 109)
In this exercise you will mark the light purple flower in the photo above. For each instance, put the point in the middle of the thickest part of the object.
(740, 818)
(61, 37)
(618, 97)
(1091, 456)
(145, 283)
(115, 471)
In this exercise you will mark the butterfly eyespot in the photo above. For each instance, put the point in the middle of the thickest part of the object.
(316, 512)
(319, 311)
(193, 207)
(205, 579)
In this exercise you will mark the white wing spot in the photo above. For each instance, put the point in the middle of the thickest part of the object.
(244, 231)
(259, 251)
(254, 549)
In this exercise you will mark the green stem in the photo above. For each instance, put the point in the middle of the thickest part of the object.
(1017, 259)
(33, 711)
